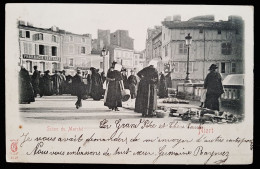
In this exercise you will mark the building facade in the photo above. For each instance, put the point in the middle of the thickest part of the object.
(75, 51)
(139, 61)
(39, 47)
(219, 42)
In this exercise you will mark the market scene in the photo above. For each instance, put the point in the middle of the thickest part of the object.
(190, 70)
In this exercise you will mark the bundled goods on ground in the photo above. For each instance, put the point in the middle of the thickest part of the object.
(175, 101)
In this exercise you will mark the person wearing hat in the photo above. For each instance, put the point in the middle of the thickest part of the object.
(146, 100)
(132, 81)
(124, 76)
(26, 95)
(213, 84)
(78, 88)
(35, 81)
(47, 84)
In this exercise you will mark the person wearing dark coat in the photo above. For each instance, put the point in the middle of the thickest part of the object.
(41, 85)
(146, 100)
(25, 87)
(68, 89)
(213, 84)
(96, 85)
(132, 81)
(47, 84)
(113, 96)
(103, 77)
(78, 88)
(56, 78)
(35, 81)
(124, 76)
(63, 82)
(163, 90)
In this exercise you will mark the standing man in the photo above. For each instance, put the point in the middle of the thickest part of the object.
(163, 90)
(78, 87)
(56, 78)
(35, 81)
(213, 84)
(146, 100)
(132, 81)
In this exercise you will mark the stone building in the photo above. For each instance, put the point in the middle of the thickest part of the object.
(218, 42)
(75, 50)
(121, 38)
(39, 47)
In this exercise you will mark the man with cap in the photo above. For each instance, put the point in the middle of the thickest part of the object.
(213, 84)
(132, 81)
(35, 81)
(78, 87)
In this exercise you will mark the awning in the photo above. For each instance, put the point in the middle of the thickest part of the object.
(234, 79)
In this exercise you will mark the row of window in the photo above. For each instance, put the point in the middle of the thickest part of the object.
(71, 39)
(226, 48)
(224, 68)
(40, 49)
(38, 36)
(82, 49)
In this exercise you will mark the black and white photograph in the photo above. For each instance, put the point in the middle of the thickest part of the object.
(129, 84)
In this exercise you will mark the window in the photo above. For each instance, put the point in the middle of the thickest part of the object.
(183, 48)
(54, 67)
(83, 40)
(71, 49)
(233, 67)
(226, 48)
(136, 62)
(201, 30)
(71, 38)
(41, 50)
(54, 51)
(219, 32)
(176, 67)
(83, 50)
(27, 34)
(29, 66)
(223, 67)
(237, 32)
(42, 66)
(38, 36)
(70, 62)
(21, 34)
(54, 38)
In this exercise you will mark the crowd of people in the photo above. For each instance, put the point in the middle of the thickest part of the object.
(144, 86)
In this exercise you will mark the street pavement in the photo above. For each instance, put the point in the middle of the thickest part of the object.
(53, 109)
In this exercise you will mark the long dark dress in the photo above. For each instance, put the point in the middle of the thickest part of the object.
(213, 84)
(146, 100)
(132, 81)
(47, 87)
(163, 90)
(113, 97)
(25, 87)
(35, 82)
(41, 86)
(96, 86)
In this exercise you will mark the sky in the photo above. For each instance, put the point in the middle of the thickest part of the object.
(88, 18)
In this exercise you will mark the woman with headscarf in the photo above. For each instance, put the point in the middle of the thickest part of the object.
(146, 100)
(96, 85)
(213, 84)
(25, 87)
(163, 90)
(113, 96)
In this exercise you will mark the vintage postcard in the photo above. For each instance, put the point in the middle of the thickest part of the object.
(129, 84)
